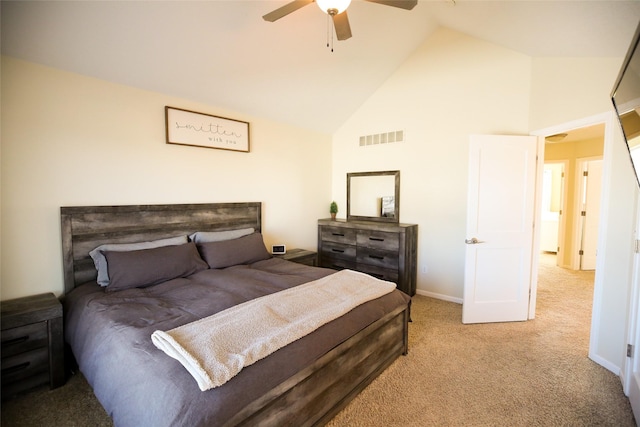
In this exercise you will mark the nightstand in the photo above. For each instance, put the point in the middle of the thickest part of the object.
(32, 347)
(301, 256)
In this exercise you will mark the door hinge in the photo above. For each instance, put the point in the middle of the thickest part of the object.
(636, 248)
(580, 252)
(583, 213)
(585, 173)
(629, 350)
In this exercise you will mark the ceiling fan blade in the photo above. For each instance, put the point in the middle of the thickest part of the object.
(341, 23)
(286, 9)
(402, 4)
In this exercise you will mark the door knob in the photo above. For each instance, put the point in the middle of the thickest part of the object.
(472, 241)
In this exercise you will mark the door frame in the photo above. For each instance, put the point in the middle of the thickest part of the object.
(631, 380)
(537, 220)
(609, 121)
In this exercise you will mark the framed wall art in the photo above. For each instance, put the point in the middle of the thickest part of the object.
(186, 127)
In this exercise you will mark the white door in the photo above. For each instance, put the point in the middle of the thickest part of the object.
(591, 218)
(500, 228)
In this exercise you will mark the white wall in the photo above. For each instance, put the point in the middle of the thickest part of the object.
(72, 140)
(451, 87)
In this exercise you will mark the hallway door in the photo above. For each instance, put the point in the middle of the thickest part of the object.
(500, 228)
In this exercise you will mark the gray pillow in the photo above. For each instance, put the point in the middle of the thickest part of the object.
(219, 236)
(101, 263)
(243, 250)
(146, 267)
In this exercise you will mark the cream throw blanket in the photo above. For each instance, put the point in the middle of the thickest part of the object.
(216, 348)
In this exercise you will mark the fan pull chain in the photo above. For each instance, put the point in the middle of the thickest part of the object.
(330, 31)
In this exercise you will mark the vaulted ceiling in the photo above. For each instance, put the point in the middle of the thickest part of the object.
(224, 54)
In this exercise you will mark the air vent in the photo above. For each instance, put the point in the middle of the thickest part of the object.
(382, 138)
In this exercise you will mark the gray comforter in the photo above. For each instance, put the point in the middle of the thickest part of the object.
(139, 385)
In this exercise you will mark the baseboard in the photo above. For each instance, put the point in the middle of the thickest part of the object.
(605, 364)
(439, 296)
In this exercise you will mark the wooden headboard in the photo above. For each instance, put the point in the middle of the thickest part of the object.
(87, 227)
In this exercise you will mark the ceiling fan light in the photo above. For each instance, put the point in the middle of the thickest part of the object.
(327, 5)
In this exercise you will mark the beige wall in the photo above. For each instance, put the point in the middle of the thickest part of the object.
(566, 89)
(72, 140)
(451, 87)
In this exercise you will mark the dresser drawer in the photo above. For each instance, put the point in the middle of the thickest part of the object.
(377, 257)
(342, 235)
(378, 240)
(24, 365)
(24, 338)
(337, 263)
(339, 250)
(379, 273)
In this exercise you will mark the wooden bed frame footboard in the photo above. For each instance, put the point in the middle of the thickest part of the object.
(315, 395)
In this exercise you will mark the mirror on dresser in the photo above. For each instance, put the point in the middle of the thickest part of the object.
(373, 196)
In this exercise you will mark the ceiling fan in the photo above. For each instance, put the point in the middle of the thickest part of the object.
(337, 9)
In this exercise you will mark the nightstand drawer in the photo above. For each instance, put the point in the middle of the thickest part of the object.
(32, 343)
(346, 236)
(24, 338)
(24, 365)
(379, 240)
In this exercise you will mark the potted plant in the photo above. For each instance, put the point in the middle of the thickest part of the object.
(333, 210)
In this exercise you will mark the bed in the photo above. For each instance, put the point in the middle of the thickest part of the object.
(108, 332)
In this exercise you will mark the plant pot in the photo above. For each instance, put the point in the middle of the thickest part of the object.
(333, 216)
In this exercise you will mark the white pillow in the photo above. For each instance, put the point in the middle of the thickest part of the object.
(219, 236)
(101, 262)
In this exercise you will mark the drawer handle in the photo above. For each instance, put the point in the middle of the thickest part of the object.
(337, 234)
(341, 251)
(376, 257)
(15, 341)
(376, 239)
(16, 368)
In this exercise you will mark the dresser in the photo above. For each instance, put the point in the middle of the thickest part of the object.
(32, 344)
(387, 251)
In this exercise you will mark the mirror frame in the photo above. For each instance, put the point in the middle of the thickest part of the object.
(632, 51)
(396, 217)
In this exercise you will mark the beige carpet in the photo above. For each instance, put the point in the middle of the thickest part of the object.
(532, 373)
